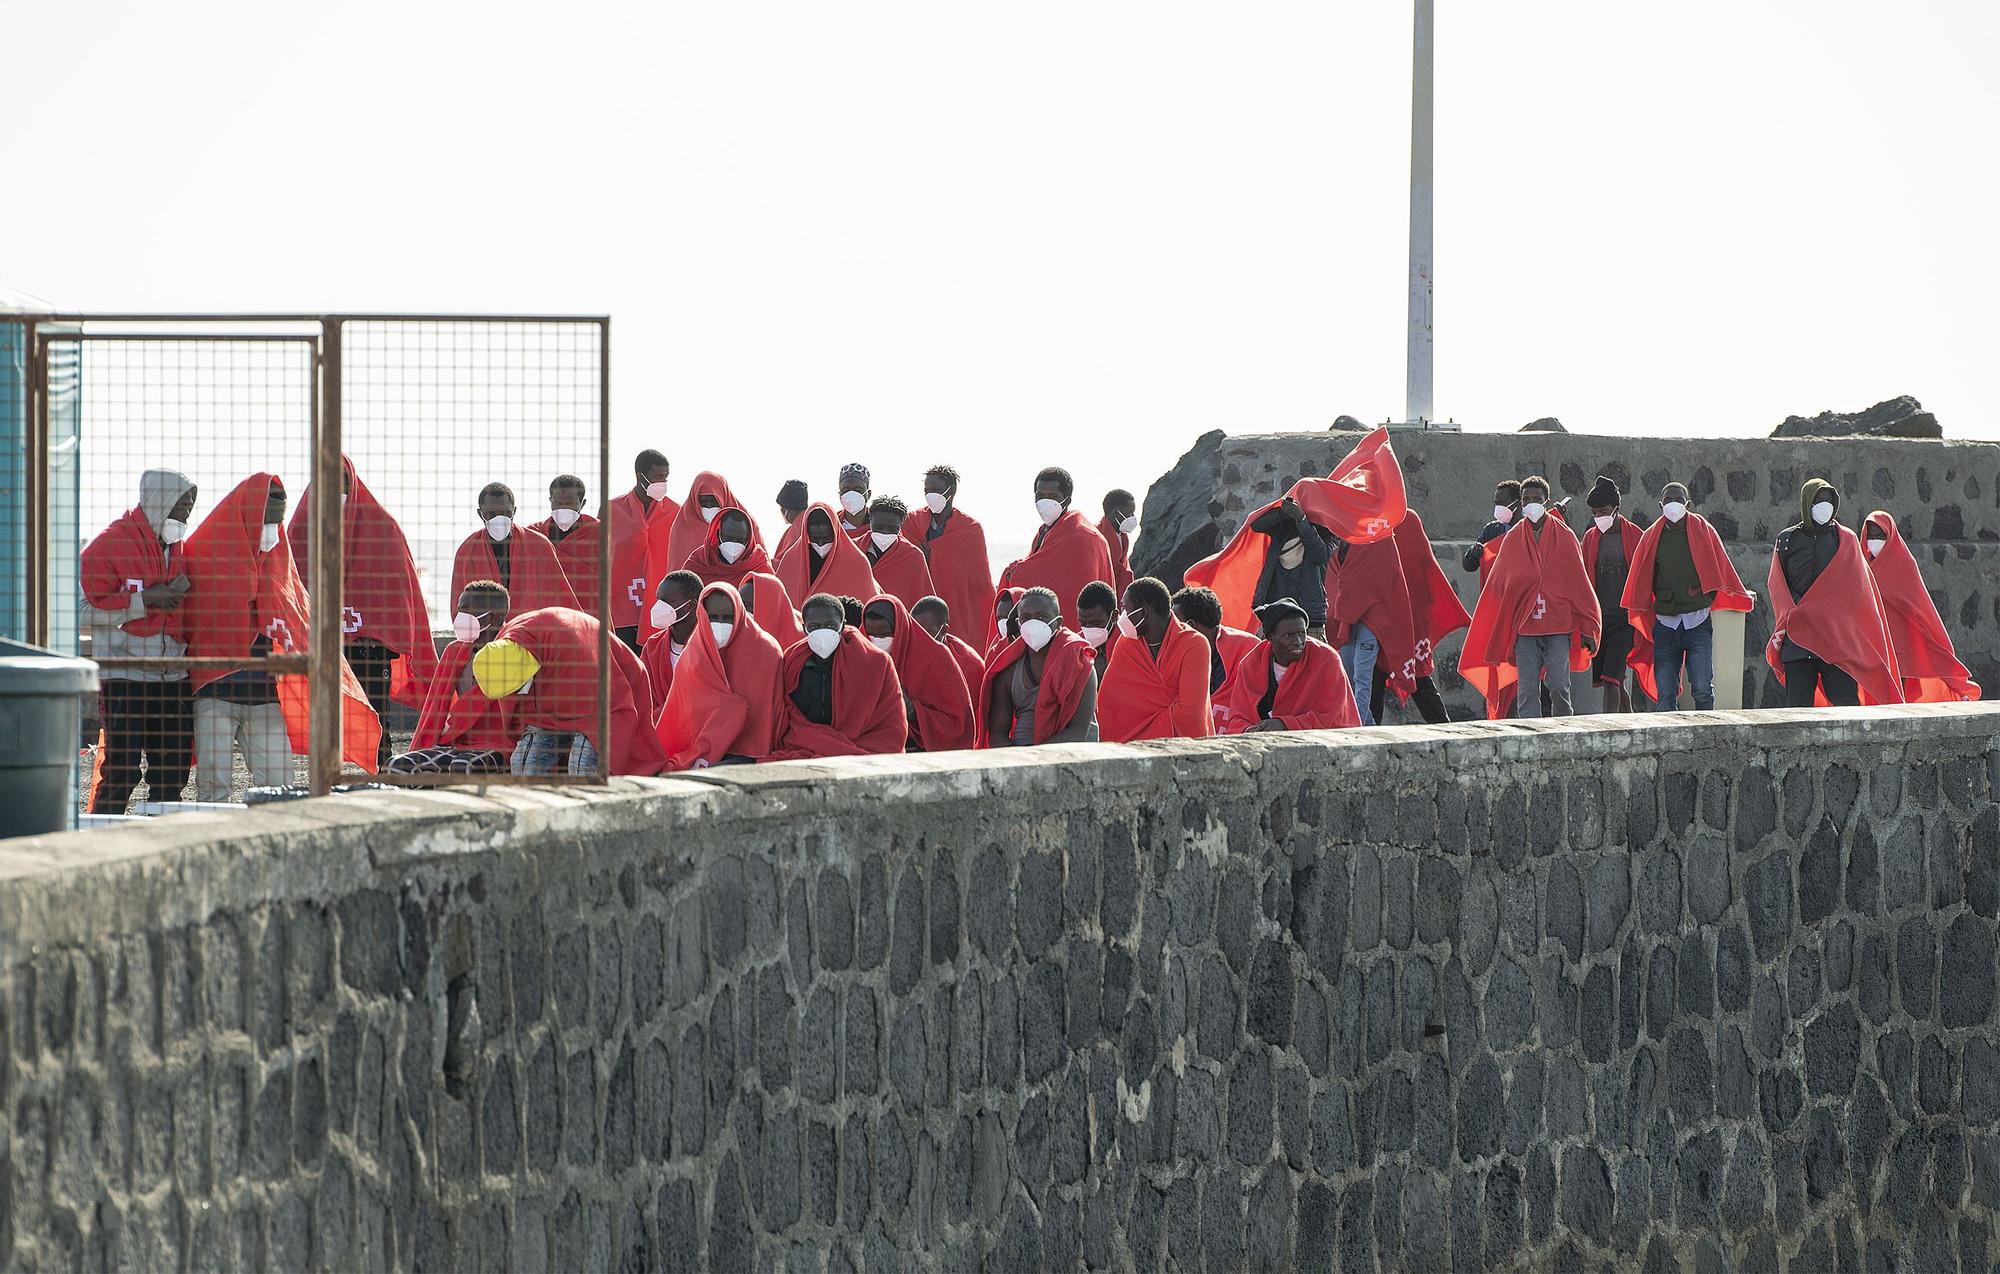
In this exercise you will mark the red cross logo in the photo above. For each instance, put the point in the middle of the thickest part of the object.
(350, 620)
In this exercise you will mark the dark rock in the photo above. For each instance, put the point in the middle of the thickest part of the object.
(1546, 424)
(1900, 417)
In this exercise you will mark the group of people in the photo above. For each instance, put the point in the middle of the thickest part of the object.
(871, 626)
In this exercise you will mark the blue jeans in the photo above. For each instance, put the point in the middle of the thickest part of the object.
(1697, 646)
(544, 752)
(1357, 659)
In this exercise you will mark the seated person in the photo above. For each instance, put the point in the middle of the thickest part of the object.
(938, 705)
(1201, 610)
(1157, 687)
(842, 696)
(1288, 681)
(1042, 686)
(543, 666)
(460, 730)
(727, 703)
(935, 618)
(1096, 612)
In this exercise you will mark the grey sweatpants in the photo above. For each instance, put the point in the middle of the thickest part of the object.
(1538, 659)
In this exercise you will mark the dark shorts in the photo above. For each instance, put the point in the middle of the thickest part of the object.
(1608, 667)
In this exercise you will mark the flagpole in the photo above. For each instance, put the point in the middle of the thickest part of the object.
(1417, 385)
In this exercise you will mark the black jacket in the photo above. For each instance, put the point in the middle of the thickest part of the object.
(1493, 531)
(1304, 583)
(1805, 549)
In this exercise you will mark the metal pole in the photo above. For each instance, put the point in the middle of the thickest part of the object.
(604, 638)
(1418, 383)
(328, 554)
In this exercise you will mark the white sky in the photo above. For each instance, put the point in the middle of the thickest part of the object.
(1011, 235)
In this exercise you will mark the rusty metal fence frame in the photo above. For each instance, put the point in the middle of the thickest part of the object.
(322, 659)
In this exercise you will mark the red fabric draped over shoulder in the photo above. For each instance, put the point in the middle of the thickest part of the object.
(1930, 666)
(1314, 693)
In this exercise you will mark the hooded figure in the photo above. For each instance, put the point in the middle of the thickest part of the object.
(727, 702)
(718, 563)
(938, 704)
(832, 564)
(543, 670)
(1931, 669)
(134, 581)
(671, 544)
(1830, 638)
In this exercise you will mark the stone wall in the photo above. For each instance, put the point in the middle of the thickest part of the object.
(1945, 495)
(1649, 993)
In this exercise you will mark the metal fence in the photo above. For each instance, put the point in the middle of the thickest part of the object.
(191, 488)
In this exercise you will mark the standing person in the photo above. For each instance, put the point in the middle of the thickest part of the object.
(384, 624)
(1287, 682)
(1435, 614)
(1537, 618)
(631, 516)
(1040, 687)
(1506, 507)
(521, 559)
(954, 544)
(1369, 619)
(543, 668)
(1609, 547)
(898, 565)
(854, 494)
(1096, 613)
(1830, 640)
(1295, 562)
(245, 601)
(792, 504)
(934, 617)
(672, 619)
(1157, 686)
(731, 551)
(134, 579)
(460, 730)
(937, 703)
(1067, 551)
(841, 693)
(574, 535)
(1121, 521)
(1200, 609)
(825, 561)
(1679, 573)
(1930, 668)
(727, 703)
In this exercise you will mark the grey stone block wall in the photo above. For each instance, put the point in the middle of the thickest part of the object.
(1664, 995)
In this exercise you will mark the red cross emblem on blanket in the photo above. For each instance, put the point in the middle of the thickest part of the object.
(350, 620)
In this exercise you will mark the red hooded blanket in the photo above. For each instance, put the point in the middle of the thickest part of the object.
(1532, 578)
(534, 578)
(1066, 673)
(1435, 611)
(563, 695)
(1314, 693)
(1930, 667)
(843, 571)
(707, 561)
(670, 542)
(457, 713)
(127, 558)
(725, 700)
(995, 639)
(773, 609)
(1164, 698)
(1068, 554)
(961, 573)
(868, 714)
(931, 682)
(1368, 588)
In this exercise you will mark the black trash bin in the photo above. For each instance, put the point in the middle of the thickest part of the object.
(41, 717)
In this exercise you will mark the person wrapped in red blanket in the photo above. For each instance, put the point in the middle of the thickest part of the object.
(954, 544)
(825, 560)
(673, 618)
(934, 617)
(772, 608)
(1369, 621)
(1435, 614)
(1040, 687)
(385, 627)
(1200, 609)
(632, 516)
(731, 550)
(939, 706)
(1930, 666)
(575, 536)
(1537, 618)
(727, 703)
(842, 696)
(1830, 640)
(1679, 573)
(1121, 519)
(670, 543)
(245, 599)
(460, 730)
(543, 668)
(1157, 684)
(1004, 631)
(1287, 682)
(517, 557)
(1067, 552)
(899, 566)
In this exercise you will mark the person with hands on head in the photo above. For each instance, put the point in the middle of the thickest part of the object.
(1295, 562)
(1041, 687)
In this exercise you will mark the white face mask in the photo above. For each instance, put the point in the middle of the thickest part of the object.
(1097, 637)
(1534, 509)
(935, 502)
(1503, 514)
(500, 527)
(173, 531)
(564, 518)
(709, 512)
(1604, 521)
(465, 627)
(1049, 511)
(853, 502)
(823, 549)
(1036, 633)
(1875, 547)
(731, 550)
(883, 644)
(881, 541)
(1126, 628)
(722, 633)
(1823, 512)
(664, 615)
(656, 490)
(1000, 627)
(823, 641)
(1673, 510)
(1129, 525)
(269, 539)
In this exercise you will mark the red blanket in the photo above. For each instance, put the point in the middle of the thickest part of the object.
(1930, 666)
(1711, 566)
(237, 594)
(1640, 660)
(1313, 695)
(563, 695)
(794, 531)
(707, 561)
(535, 579)
(1120, 545)
(630, 521)
(380, 597)
(931, 683)
(725, 700)
(901, 571)
(127, 558)
(1841, 619)
(460, 716)
(1068, 554)
(1435, 611)
(995, 639)
(577, 554)
(773, 608)
(1530, 576)
(970, 666)
(669, 542)
(656, 657)
(1164, 698)
(961, 573)
(1231, 643)
(1066, 676)
(843, 572)
(1368, 588)
(868, 712)
(1361, 501)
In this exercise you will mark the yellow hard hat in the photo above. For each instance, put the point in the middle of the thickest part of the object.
(503, 668)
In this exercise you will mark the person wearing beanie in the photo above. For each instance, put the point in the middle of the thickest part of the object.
(792, 504)
(1608, 546)
(1506, 507)
(1679, 574)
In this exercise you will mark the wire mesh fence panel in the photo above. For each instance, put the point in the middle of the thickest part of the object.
(474, 556)
(173, 464)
